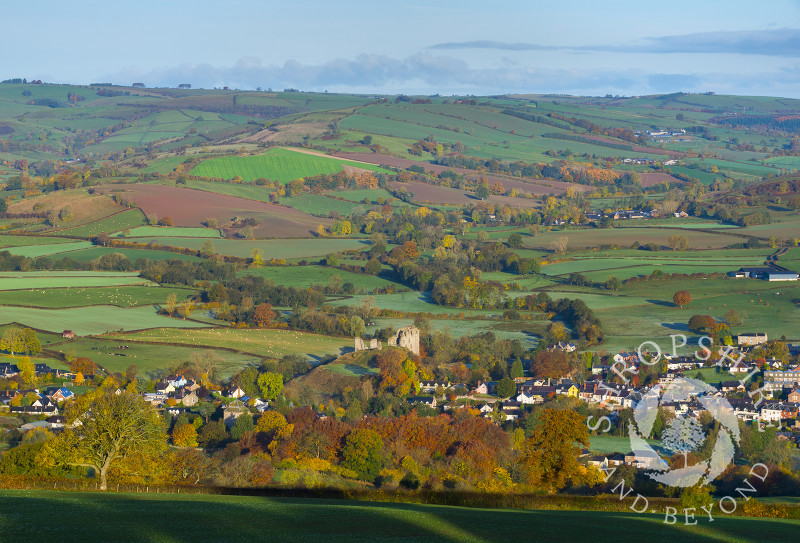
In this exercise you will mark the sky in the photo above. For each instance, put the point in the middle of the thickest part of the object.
(581, 47)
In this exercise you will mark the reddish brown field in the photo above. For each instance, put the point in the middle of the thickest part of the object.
(650, 179)
(532, 186)
(189, 207)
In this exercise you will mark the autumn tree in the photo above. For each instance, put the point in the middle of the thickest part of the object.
(682, 298)
(678, 243)
(701, 323)
(83, 365)
(184, 435)
(550, 455)
(27, 371)
(362, 453)
(104, 428)
(550, 364)
(560, 244)
(263, 315)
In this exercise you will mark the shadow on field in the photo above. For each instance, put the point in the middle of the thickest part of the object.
(679, 326)
(661, 303)
(89, 517)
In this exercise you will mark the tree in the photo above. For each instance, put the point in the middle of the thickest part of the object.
(550, 364)
(678, 243)
(270, 384)
(506, 388)
(701, 324)
(242, 426)
(550, 455)
(184, 435)
(362, 453)
(27, 371)
(83, 365)
(21, 340)
(263, 315)
(208, 250)
(373, 266)
(734, 317)
(515, 241)
(613, 283)
(482, 192)
(516, 369)
(104, 428)
(683, 435)
(682, 298)
(560, 244)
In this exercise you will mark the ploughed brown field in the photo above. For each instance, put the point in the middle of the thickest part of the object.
(190, 207)
(534, 186)
(424, 192)
(650, 179)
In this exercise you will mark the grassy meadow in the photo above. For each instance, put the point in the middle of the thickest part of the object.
(150, 518)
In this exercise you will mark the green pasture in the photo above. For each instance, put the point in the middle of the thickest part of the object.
(59, 279)
(150, 518)
(358, 195)
(262, 342)
(273, 248)
(526, 331)
(92, 320)
(608, 444)
(714, 377)
(577, 239)
(412, 302)
(172, 231)
(80, 296)
(33, 251)
(119, 221)
(283, 165)
(10, 240)
(319, 205)
(305, 276)
(152, 360)
(87, 255)
(164, 165)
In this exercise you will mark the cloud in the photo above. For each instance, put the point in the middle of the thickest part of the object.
(426, 73)
(784, 42)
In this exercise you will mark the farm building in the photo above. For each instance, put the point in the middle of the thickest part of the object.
(755, 338)
(767, 274)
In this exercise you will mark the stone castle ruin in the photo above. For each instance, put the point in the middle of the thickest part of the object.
(407, 337)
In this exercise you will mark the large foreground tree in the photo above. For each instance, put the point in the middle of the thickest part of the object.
(104, 428)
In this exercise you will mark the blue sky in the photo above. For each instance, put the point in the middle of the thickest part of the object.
(467, 47)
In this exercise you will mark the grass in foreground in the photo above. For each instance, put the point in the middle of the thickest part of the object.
(181, 518)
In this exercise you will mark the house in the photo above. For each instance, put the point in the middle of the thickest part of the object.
(753, 338)
(186, 397)
(235, 410)
(485, 408)
(794, 396)
(732, 386)
(429, 401)
(235, 392)
(59, 394)
(743, 408)
(643, 459)
(739, 367)
(8, 370)
(487, 388)
(155, 398)
(562, 346)
(429, 387)
(771, 412)
(176, 381)
(68, 334)
(165, 388)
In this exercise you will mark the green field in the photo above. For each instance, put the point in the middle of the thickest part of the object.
(79, 297)
(267, 342)
(152, 360)
(66, 279)
(91, 320)
(51, 249)
(273, 248)
(179, 518)
(305, 276)
(282, 165)
(172, 231)
(119, 221)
